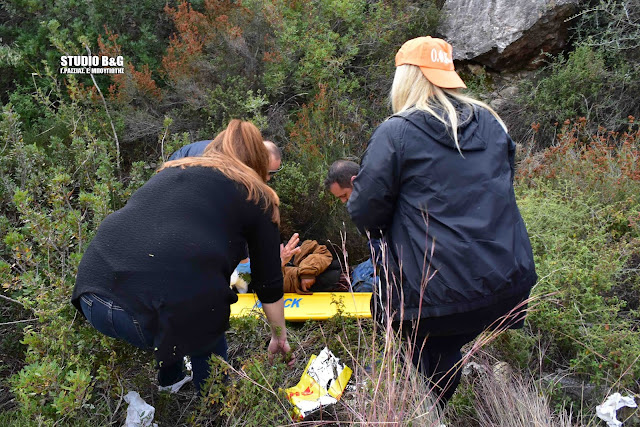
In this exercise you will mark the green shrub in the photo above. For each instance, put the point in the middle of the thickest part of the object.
(576, 84)
(571, 81)
(253, 389)
(580, 202)
(577, 318)
(55, 196)
(614, 24)
(597, 79)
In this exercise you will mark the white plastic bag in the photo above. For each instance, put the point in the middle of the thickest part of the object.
(139, 412)
(607, 411)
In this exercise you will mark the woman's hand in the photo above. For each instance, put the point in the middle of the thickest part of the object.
(281, 346)
(290, 249)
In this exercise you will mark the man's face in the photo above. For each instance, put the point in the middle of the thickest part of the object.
(274, 165)
(342, 193)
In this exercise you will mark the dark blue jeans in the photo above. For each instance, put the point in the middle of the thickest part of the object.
(111, 319)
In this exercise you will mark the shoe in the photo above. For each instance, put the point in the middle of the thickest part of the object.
(174, 388)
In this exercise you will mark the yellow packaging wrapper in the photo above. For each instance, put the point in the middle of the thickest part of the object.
(321, 384)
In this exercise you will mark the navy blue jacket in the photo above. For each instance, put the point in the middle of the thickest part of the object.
(194, 149)
(415, 189)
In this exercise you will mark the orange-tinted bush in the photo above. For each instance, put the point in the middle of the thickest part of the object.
(602, 162)
(125, 86)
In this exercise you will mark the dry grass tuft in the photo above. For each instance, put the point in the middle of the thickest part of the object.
(512, 401)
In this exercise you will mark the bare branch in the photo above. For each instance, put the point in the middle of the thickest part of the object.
(12, 300)
(104, 102)
(18, 321)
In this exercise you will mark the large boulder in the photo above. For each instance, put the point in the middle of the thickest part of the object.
(506, 34)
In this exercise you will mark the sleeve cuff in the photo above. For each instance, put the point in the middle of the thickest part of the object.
(269, 295)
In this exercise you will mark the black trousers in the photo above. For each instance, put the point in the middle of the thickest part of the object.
(437, 358)
(443, 337)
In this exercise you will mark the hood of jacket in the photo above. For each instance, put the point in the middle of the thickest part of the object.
(468, 126)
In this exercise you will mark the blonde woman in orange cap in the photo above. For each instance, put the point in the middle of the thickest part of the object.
(438, 174)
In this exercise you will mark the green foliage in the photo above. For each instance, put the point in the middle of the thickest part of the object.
(246, 335)
(44, 388)
(54, 197)
(478, 81)
(517, 347)
(613, 24)
(251, 391)
(231, 100)
(596, 80)
(314, 77)
(571, 81)
(580, 323)
(318, 42)
(580, 202)
(568, 87)
(294, 186)
(28, 26)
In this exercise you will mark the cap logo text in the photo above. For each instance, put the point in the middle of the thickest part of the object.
(438, 55)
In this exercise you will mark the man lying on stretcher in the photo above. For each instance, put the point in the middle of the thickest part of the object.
(309, 268)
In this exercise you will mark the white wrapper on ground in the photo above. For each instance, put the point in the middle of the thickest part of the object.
(139, 412)
(309, 406)
(324, 370)
(607, 411)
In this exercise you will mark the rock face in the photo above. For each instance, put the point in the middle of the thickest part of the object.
(506, 34)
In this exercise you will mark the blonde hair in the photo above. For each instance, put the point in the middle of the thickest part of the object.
(239, 154)
(411, 89)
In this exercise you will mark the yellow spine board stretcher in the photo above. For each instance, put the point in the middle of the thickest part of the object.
(318, 306)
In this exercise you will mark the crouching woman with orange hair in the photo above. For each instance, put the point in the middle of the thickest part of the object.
(157, 272)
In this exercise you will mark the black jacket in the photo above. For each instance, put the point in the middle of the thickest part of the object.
(415, 189)
(168, 255)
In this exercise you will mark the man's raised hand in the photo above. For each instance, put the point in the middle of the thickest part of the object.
(290, 249)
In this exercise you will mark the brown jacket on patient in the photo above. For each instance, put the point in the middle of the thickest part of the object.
(312, 260)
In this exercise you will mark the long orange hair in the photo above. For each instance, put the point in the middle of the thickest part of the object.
(239, 154)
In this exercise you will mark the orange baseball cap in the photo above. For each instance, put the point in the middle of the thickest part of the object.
(435, 59)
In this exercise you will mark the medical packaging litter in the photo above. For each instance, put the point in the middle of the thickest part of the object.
(322, 384)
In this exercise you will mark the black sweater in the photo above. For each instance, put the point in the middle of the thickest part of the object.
(168, 255)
